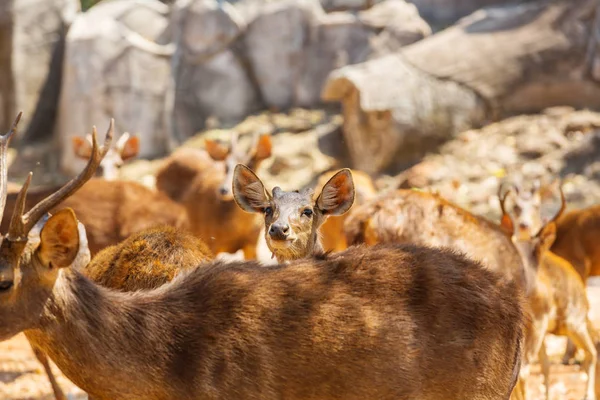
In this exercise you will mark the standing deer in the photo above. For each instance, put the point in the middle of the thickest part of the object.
(204, 189)
(125, 149)
(561, 306)
(390, 322)
(332, 231)
(292, 219)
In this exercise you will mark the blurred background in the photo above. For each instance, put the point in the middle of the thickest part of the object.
(446, 95)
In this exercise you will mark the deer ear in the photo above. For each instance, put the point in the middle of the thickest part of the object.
(217, 151)
(81, 147)
(59, 240)
(337, 195)
(129, 148)
(248, 191)
(548, 236)
(264, 148)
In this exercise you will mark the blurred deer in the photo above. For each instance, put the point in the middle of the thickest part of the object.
(332, 231)
(204, 189)
(292, 219)
(125, 149)
(561, 306)
(390, 322)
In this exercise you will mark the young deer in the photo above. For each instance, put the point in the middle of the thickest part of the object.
(206, 193)
(332, 230)
(566, 312)
(390, 322)
(292, 219)
(125, 149)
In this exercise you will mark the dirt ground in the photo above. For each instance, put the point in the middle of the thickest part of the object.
(22, 377)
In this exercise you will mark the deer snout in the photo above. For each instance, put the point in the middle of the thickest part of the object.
(223, 191)
(279, 231)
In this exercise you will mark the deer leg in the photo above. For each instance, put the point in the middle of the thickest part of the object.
(570, 352)
(43, 359)
(545, 364)
(249, 252)
(582, 338)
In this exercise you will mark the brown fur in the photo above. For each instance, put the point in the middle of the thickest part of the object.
(389, 322)
(112, 210)
(332, 231)
(147, 259)
(428, 219)
(191, 178)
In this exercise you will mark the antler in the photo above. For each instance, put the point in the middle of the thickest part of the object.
(506, 221)
(563, 204)
(21, 224)
(4, 141)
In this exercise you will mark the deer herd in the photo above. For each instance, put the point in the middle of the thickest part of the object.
(392, 295)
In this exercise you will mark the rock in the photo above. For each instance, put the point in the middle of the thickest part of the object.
(275, 43)
(116, 66)
(346, 5)
(38, 34)
(211, 80)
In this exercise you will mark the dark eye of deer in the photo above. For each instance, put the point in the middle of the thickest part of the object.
(268, 211)
(308, 212)
(5, 285)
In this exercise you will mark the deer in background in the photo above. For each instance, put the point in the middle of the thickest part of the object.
(561, 306)
(292, 219)
(204, 189)
(113, 210)
(390, 322)
(332, 231)
(125, 149)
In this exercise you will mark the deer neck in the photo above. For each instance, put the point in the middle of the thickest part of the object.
(95, 336)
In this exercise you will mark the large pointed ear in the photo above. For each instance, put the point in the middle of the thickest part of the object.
(59, 240)
(81, 147)
(128, 146)
(248, 191)
(547, 236)
(264, 148)
(216, 150)
(337, 195)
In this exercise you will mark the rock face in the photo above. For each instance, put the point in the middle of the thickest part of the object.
(116, 67)
(37, 29)
(210, 77)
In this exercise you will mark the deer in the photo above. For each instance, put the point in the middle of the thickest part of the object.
(332, 231)
(566, 312)
(204, 189)
(112, 210)
(292, 219)
(362, 323)
(125, 149)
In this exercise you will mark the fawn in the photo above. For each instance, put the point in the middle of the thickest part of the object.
(389, 322)
(292, 219)
(204, 189)
(332, 230)
(125, 149)
(566, 312)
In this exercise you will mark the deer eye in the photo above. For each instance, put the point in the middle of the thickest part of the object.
(268, 211)
(308, 212)
(5, 285)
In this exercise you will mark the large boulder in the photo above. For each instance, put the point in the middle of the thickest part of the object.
(32, 34)
(210, 77)
(117, 64)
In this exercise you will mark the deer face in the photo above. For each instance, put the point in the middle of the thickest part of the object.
(292, 219)
(526, 209)
(126, 148)
(37, 246)
(232, 156)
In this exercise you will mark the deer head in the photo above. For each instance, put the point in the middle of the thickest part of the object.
(292, 219)
(125, 149)
(532, 247)
(37, 246)
(231, 155)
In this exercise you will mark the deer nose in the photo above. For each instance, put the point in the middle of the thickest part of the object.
(223, 191)
(279, 231)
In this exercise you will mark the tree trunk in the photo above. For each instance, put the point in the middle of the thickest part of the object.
(513, 59)
(7, 86)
